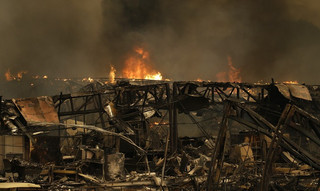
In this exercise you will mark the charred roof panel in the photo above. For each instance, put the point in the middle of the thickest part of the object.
(299, 91)
(39, 109)
(284, 90)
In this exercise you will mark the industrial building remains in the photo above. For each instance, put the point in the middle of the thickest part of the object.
(163, 135)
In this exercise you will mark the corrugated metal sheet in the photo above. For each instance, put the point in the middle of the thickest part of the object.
(40, 109)
(294, 90)
(284, 90)
(299, 91)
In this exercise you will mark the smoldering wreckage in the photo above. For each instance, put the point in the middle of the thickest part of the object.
(163, 135)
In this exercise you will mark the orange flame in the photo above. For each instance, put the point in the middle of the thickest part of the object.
(39, 77)
(291, 82)
(156, 76)
(138, 66)
(112, 74)
(89, 79)
(9, 76)
(233, 73)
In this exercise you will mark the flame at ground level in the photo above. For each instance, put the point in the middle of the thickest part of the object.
(233, 74)
(112, 75)
(138, 66)
(156, 76)
(9, 76)
(291, 82)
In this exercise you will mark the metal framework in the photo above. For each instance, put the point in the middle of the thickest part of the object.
(302, 143)
(217, 92)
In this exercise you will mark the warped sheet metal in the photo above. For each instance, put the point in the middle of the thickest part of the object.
(284, 90)
(299, 91)
(294, 90)
(40, 109)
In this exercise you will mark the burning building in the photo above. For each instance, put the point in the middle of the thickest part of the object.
(135, 130)
(142, 133)
(172, 109)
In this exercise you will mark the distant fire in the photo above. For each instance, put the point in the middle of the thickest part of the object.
(291, 82)
(138, 66)
(155, 124)
(40, 77)
(112, 74)
(87, 80)
(233, 74)
(9, 76)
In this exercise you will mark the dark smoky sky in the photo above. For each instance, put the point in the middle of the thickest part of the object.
(187, 39)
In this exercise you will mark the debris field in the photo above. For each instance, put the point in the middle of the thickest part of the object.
(163, 135)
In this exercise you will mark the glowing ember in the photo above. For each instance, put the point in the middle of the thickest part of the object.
(112, 74)
(233, 73)
(9, 76)
(154, 124)
(138, 66)
(38, 77)
(291, 82)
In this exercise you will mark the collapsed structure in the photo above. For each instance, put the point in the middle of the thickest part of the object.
(165, 135)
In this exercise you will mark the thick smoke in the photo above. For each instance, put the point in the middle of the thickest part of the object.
(187, 39)
(54, 37)
(192, 39)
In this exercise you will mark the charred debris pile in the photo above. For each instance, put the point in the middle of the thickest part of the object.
(162, 135)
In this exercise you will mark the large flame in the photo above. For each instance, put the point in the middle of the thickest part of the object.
(138, 66)
(233, 74)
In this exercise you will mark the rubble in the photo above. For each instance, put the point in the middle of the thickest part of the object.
(128, 135)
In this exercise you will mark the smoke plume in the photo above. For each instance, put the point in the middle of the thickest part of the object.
(54, 37)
